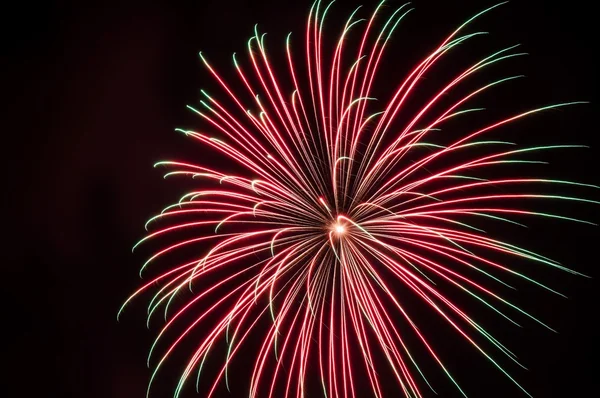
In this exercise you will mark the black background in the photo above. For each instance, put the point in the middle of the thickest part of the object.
(93, 92)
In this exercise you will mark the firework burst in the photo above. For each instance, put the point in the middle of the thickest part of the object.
(339, 206)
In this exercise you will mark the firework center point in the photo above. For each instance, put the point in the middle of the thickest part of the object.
(339, 228)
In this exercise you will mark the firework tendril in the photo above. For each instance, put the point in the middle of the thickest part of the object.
(343, 205)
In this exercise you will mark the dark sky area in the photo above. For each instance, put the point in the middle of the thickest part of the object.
(93, 93)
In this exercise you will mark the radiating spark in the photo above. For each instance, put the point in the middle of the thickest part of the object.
(341, 199)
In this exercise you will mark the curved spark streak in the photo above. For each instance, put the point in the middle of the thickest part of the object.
(335, 206)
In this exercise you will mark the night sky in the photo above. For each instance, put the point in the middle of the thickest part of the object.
(92, 98)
